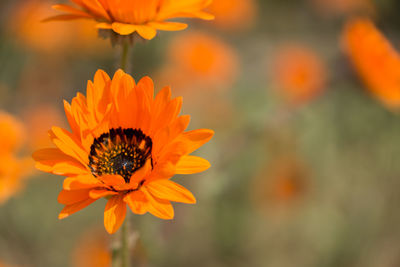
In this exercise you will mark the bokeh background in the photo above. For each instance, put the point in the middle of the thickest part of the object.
(305, 167)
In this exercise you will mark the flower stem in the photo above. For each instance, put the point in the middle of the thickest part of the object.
(125, 243)
(125, 56)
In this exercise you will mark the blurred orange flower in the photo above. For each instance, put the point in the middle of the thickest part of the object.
(51, 38)
(234, 14)
(282, 183)
(125, 146)
(201, 61)
(12, 169)
(126, 17)
(375, 60)
(92, 250)
(343, 7)
(299, 73)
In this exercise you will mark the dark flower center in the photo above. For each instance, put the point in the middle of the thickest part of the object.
(120, 151)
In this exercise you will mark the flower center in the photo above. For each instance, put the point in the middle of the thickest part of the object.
(120, 151)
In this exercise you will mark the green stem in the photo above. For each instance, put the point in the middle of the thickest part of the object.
(122, 256)
(125, 243)
(125, 56)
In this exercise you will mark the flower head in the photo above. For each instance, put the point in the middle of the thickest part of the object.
(375, 60)
(125, 145)
(126, 17)
(299, 73)
(233, 15)
(50, 38)
(203, 60)
(12, 169)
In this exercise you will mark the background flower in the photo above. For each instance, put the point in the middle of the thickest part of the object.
(375, 60)
(127, 17)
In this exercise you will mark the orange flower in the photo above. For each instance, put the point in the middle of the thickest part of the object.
(126, 17)
(299, 73)
(282, 183)
(124, 146)
(202, 60)
(233, 14)
(12, 169)
(92, 250)
(375, 60)
(51, 38)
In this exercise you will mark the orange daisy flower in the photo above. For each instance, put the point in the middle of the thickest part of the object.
(129, 16)
(284, 182)
(375, 60)
(124, 145)
(12, 169)
(234, 14)
(51, 38)
(299, 73)
(203, 60)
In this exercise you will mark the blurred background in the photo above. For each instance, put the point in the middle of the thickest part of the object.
(304, 160)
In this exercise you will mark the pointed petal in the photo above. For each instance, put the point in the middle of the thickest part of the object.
(69, 197)
(99, 193)
(54, 161)
(196, 138)
(158, 207)
(140, 174)
(191, 164)
(168, 190)
(70, 209)
(168, 26)
(137, 202)
(69, 144)
(71, 10)
(114, 214)
(81, 182)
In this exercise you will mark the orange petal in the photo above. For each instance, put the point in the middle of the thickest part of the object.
(146, 32)
(52, 160)
(168, 190)
(112, 180)
(148, 86)
(64, 17)
(104, 25)
(69, 197)
(69, 144)
(81, 182)
(137, 202)
(168, 26)
(71, 10)
(114, 214)
(191, 164)
(70, 209)
(139, 175)
(196, 138)
(158, 207)
(123, 29)
(99, 193)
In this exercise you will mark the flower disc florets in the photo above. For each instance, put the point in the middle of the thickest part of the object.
(120, 151)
